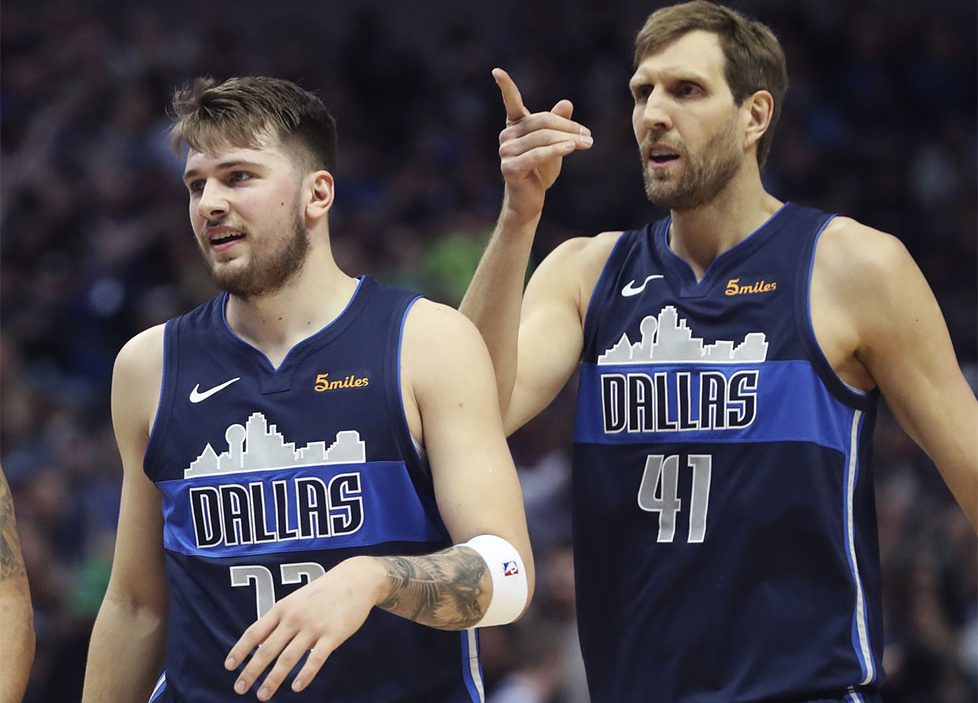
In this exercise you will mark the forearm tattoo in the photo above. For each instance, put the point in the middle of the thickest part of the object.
(11, 562)
(448, 590)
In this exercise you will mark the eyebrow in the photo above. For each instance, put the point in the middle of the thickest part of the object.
(678, 73)
(223, 166)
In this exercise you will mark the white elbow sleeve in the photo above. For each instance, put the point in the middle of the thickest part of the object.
(510, 588)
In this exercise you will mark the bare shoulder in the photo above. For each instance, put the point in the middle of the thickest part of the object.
(586, 252)
(432, 328)
(577, 264)
(144, 352)
(854, 256)
(136, 381)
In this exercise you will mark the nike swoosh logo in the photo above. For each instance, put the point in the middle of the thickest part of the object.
(631, 289)
(196, 395)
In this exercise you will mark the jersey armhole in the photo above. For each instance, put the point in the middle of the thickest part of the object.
(610, 265)
(851, 396)
(164, 406)
(402, 430)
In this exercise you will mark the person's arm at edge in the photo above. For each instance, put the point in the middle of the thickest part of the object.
(129, 637)
(17, 643)
(904, 344)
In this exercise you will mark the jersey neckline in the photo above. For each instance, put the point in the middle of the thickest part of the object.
(316, 340)
(680, 274)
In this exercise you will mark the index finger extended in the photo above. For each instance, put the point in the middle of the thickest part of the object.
(512, 100)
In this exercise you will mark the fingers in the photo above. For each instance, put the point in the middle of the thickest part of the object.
(317, 657)
(285, 663)
(512, 100)
(251, 638)
(263, 656)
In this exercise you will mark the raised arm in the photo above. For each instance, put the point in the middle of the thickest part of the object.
(901, 340)
(449, 400)
(17, 643)
(531, 150)
(129, 637)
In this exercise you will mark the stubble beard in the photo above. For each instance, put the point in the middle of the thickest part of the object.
(702, 177)
(268, 269)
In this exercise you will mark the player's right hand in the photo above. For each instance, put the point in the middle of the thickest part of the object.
(313, 621)
(532, 147)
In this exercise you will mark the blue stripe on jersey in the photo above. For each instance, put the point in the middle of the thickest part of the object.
(471, 667)
(158, 688)
(294, 509)
(774, 401)
(860, 621)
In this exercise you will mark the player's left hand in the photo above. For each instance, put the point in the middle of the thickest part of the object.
(316, 619)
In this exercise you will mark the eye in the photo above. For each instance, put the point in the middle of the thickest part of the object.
(239, 177)
(641, 92)
(688, 90)
(195, 186)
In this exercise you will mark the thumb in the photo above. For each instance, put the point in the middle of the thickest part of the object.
(563, 108)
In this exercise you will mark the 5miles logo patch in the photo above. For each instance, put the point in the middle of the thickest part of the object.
(343, 380)
(750, 285)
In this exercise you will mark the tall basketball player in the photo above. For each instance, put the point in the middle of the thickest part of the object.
(731, 358)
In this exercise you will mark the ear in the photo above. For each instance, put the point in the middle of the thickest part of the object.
(320, 191)
(759, 109)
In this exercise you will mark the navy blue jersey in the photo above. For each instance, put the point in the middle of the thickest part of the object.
(271, 476)
(724, 518)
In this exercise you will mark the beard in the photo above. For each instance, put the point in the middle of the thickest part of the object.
(702, 177)
(268, 268)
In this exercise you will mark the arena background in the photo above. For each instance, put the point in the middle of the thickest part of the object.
(879, 124)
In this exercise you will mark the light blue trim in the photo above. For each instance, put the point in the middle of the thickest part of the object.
(471, 666)
(860, 620)
(159, 688)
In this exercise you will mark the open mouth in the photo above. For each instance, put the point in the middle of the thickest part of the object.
(663, 158)
(226, 238)
(223, 235)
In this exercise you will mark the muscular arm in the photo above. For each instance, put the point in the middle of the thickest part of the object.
(534, 342)
(17, 642)
(129, 636)
(896, 338)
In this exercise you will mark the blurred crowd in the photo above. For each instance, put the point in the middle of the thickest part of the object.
(880, 124)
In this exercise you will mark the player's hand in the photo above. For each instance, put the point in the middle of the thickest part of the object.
(316, 619)
(532, 147)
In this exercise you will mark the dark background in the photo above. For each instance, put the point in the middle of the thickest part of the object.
(879, 124)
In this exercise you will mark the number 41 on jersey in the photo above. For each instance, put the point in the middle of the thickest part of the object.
(659, 493)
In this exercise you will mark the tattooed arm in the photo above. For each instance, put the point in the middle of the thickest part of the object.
(449, 590)
(16, 616)
(451, 407)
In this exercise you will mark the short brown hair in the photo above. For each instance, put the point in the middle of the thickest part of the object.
(754, 58)
(242, 112)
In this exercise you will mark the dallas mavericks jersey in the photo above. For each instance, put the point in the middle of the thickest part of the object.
(270, 477)
(724, 519)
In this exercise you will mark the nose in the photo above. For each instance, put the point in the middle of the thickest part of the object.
(656, 115)
(213, 204)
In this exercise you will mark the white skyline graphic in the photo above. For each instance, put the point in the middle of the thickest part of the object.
(667, 339)
(258, 446)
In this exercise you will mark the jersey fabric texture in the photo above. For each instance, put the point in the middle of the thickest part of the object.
(270, 477)
(724, 518)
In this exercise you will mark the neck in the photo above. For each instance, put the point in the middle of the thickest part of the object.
(275, 322)
(699, 235)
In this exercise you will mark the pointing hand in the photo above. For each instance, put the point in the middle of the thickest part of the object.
(533, 145)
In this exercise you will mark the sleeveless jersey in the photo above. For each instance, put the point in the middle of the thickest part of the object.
(724, 517)
(272, 476)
